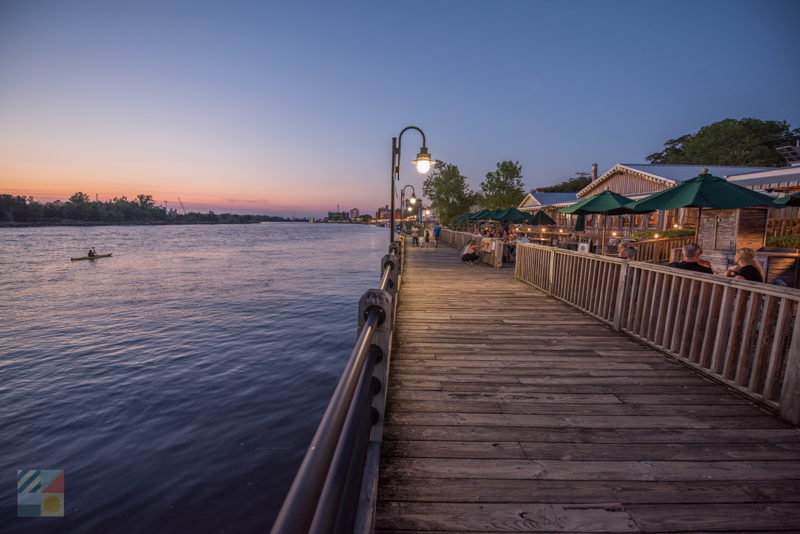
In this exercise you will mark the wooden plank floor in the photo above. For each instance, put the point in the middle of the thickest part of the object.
(511, 411)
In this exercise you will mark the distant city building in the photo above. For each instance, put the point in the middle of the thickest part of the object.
(354, 214)
(337, 215)
(385, 212)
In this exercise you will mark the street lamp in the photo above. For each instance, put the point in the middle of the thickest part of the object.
(411, 200)
(423, 164)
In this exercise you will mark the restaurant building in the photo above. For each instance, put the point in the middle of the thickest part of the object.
(636, 181)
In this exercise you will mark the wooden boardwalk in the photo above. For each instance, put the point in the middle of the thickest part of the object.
(511, 411)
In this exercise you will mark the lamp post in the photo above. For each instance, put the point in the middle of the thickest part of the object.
(423, 164)
(412, 200)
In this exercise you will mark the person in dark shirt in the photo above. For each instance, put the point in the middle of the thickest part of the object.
(690, 260)
(746, 266)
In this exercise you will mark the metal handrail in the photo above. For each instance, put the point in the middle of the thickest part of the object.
(385, 280)
(323, 495)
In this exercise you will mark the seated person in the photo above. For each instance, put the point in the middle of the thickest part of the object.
(690, 260)
(524, 239)
(470, 253)
(746, 267)
(509, 251)
(626, 251)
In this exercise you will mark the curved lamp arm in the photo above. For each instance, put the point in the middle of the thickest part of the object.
(396, 142)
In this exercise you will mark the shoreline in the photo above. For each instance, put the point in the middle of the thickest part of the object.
(131, 223)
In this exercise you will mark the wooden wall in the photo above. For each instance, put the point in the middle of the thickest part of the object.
(717, 231)
(752, 228)
(626, 184)
(722, 232)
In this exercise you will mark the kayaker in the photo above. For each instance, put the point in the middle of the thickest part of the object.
(92, 253)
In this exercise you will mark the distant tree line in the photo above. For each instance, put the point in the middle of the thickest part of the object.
(79, 209)
(572, 185)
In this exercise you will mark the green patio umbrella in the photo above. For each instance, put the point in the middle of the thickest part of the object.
(491, 215)
(791, 200)
(513, 215)
(703, 191)
(477, 215)
(605, 203)
(540, 218)
(496, 215)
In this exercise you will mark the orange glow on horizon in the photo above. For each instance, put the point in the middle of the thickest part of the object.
(195, 200)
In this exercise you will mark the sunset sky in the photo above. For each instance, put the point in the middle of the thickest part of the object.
(290, 107)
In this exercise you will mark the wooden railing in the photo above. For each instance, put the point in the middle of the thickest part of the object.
(659, 250)
(744, 334)
(782, 227)
(491, 249)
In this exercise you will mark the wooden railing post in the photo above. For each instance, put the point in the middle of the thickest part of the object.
(790, 393)
(622, 291)
(551, 272)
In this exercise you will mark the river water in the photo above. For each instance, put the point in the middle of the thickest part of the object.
(179, 382)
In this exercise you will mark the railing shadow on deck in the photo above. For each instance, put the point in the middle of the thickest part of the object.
(335, 488)
(743, 334)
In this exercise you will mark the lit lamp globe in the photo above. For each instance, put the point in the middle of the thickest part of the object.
(423, 161)
(412, 200)
(427, 212)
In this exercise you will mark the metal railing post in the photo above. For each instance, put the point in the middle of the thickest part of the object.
(382, 339)
(383, 300)
(389, 280)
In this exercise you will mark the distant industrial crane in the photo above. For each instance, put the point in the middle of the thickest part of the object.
(181, 201)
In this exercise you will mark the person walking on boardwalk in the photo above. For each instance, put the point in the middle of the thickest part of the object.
(690, 260)
(427, 238)
(436, 231)
(414, 236)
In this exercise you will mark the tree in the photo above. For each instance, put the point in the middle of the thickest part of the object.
(745, 141)
(144, 201)
(11, 207)
(569, 186)
(79, 198)
(503, 188)
(447, 189)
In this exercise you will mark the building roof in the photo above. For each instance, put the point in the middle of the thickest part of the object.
(767, 179)
(669, 174)
(553, 198)
(681, 173)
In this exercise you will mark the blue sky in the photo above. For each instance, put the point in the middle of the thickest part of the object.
(282, 107)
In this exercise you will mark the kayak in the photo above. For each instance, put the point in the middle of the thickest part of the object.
(91, 257)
